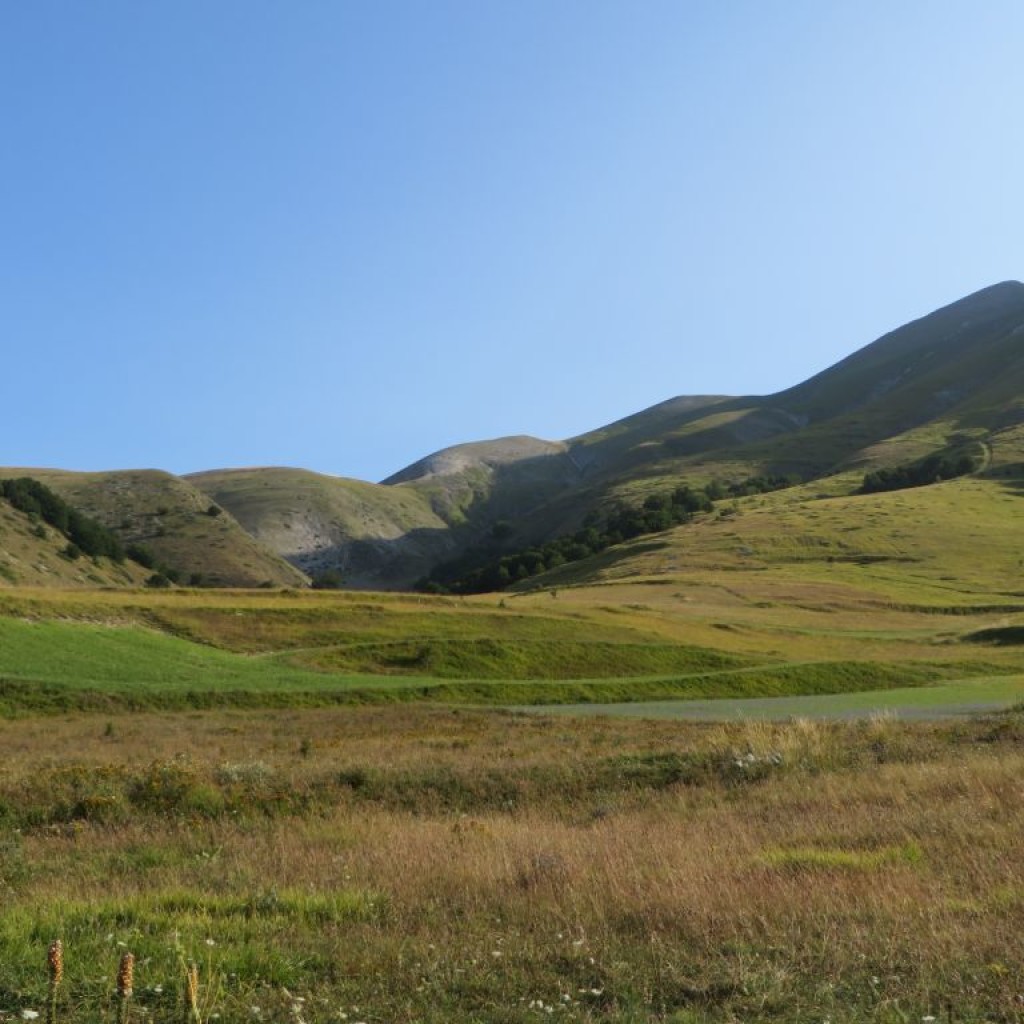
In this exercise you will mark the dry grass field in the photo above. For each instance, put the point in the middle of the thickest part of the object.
(420, 864)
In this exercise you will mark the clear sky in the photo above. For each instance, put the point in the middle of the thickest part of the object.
(341, 235)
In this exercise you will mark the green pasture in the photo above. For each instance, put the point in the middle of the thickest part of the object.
(62, 666)
(927, 702)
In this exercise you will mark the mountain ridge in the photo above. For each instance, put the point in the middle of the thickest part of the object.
(954, 373)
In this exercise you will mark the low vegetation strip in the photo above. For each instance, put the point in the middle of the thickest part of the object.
(23, 696)
(494, 658)
(929, 703)
(763, 681)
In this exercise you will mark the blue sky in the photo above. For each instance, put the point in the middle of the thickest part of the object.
(341, 235)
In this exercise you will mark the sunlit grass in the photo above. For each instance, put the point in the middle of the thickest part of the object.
(412, 864)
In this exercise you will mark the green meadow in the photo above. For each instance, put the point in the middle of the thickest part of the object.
(347, 807)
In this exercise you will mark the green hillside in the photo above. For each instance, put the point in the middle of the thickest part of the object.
(372, 535)
(175, 522)
(33, 554)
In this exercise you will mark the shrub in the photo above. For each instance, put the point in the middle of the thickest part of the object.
(329, 579)
(141, 555)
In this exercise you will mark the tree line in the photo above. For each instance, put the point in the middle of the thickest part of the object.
(484, 571)
(932, 470)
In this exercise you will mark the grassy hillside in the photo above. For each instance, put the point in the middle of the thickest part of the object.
(32, 554)
(373, 535)
(170, 517)
(949, 545)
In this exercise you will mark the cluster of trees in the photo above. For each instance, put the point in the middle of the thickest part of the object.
(482, 572)
(164, 575)
(328, 579)
(941, 466)
(85, 535)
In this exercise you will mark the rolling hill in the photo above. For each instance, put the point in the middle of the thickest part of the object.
(175, 522)
(950, 381)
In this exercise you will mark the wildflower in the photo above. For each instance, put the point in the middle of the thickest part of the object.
(55, 962)
(125, 975)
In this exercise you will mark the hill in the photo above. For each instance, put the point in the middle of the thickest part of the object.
(33, 554)
(373, 535)
(174, 521)
(950, 383)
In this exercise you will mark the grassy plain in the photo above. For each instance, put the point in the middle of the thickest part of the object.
(738, 635)
(420, 864)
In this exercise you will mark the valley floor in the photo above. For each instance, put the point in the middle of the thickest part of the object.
(325, 802)
(403, 864)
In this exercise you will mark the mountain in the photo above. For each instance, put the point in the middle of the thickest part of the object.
(952, 379)
(383, 535)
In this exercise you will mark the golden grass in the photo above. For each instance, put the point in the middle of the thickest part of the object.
(815, 870)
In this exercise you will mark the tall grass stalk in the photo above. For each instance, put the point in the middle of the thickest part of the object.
(192, 1014)
(55, 969)
(125, 985)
